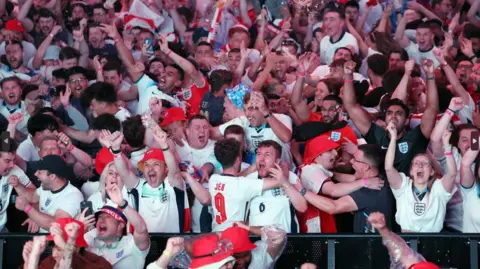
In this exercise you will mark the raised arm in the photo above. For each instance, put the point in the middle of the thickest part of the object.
(299, 105)
(197, 188)
(282, 131)
(393, 176)
(467, 178)
(456, 104)
(79, 121)
(400, 36)
(121, 162)
(356, 112)
(472, 13)
(84, 137)
(401, 92)
(186, 65)
(22, 16)
(42, 49)
(244, 13)
(81, 156)
(448, 180)
(361, 43)
(282, 173)
(429, 117)
(457, 87)
(345, 188)
(140, 234)
(423, 10)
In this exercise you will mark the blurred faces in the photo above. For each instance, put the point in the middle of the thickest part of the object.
(169, 79)
(113, 178)
(49, 146)
(157, 69)
(333, 24)
(327, 159)
(444, 8)
(78, 83)
(47, 180)
(239, 138)
(78, 12)
(266, 160)
(395, 61)
(464, 140)
(100, 15)
(46, 25)
(253, 114)
(359, 164)
(242, 260)
(7, 162)
(464, 71)
(475, 44)
(329, 110)
(351, 13)
(108, 228)
(237, 38)
(424, 39)
(14, 55)
(233, 60)
(154, 172)
(198, 133)
(280, 70)
(321, 92)
(421, 169)
(343, 54)
(13, 35)
(396, 114)
(69, 63)
(203, 51)
(113, 77)
(11, 93)
(141, 37)
(98, 108)
(96, 37)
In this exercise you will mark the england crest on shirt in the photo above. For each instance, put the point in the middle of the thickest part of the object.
(403, 147)
(335, 136)
(5, 188)
(187, 93)
(48, 202)
(119, 254)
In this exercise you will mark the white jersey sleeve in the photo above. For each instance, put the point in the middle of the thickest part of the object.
(401, 191)
(241, 121)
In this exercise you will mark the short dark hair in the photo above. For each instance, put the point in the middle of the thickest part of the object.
(46, 13)
(219, 78)
(179, 69)
(234, 129)
(353, 4)
(113, 66)
(196, 117)
(391, 80)
(13, 42)
(403, 54)
(400, 103)
(77, 70)
(68, 53)
(40, 123)
(378, 63)
(106, 122)
(134, 131)
(100, 91)
(234, 50)
(227, 151)
(333, 84)
(373, 154)
(99, 6)
(60, 73)
(335, 98)
(204, 43)
(187, 13)
(335, 10)
(424, 25)
(456, 133)
(7, 79)
(273, 144)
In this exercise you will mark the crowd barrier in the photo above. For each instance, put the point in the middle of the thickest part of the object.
(343, 251)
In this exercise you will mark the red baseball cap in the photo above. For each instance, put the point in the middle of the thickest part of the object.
(210, 252)
(155, 154)
(14, 25)
(104, 157)
(172, 115)
(317, 146)
(239, 238)
(424, 265)
(80, 242)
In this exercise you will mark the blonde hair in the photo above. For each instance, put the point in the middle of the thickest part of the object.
(102, 181)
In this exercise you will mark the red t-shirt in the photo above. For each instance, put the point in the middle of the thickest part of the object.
(193, 97)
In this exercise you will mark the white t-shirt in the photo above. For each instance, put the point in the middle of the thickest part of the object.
(27, 151)
(6, 191)
(122, 114)
(273, 207)
(28, 51)
(163, 208)
(417, 55)
(231, 197)
(198, 157)
(67, 199)
(321, 71)
(147, 89)
(132, 105)
(425, 216)
(471, 203)
(121, 254)
(98, 203)
(135, 157)
(22, 126)
(256, 135)
(327, 48)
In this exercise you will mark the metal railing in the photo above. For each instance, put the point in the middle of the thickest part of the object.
(326, 250)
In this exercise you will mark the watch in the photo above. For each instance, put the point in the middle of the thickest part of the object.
(268, 115)
(303, 191)
(124, 205)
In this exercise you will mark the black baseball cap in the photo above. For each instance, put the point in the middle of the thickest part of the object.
(54, 164)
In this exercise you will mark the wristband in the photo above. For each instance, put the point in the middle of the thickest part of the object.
(66, 105)
(449, 112)
(116, 40)
(115, 152)
(453, 111)
(28, 209)
(300, 74)
(100, 69)
(167, 253)
(443, 64)
(447, 148)
(430, 78)
(472, 58)
(348, 80)
(165, 149)
(72, 147)
(365, 183)
(50, 35)
(124, 205)
(448, 153)
(268, 115)
(169, 52)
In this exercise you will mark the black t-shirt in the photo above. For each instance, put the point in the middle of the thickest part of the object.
(213, 108)
(369, 201)
(108, 49)
(409, 145)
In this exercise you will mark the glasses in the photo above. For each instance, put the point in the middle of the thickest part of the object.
(332, 109)
(421, 164)
(76, 80)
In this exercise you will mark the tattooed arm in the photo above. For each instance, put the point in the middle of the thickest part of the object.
(67, 253)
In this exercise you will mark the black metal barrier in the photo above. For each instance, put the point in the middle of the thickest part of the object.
(327, 251)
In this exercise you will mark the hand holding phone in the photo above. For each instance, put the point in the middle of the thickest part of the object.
(88, 205)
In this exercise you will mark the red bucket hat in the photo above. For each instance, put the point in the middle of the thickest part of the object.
(210, 253)
(80, 242)
(104, 157)
(155, 154)
(239, 238)
(317, 146)
(14, 25)
(172, 115)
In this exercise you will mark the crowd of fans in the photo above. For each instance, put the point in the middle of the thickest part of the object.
(124, 118)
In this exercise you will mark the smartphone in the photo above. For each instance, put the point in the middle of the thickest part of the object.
(86, 204)
(149, 43)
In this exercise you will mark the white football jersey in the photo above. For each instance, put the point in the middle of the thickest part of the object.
(6, 191)
(273, 207)
(231, 197)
